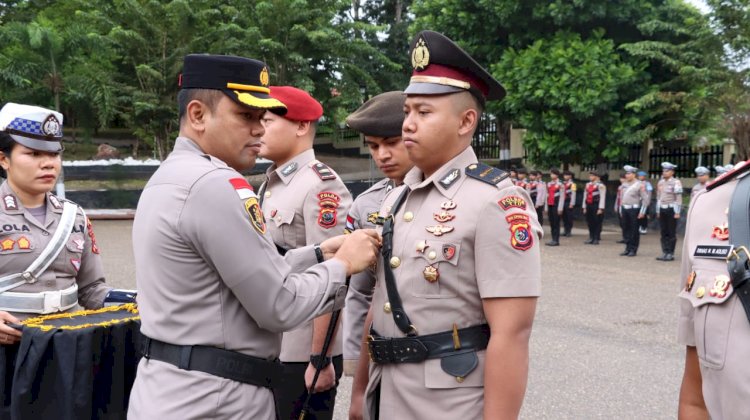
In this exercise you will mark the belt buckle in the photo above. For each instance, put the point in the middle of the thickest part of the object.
(370, 339)
(29, 277)
(52, 301)
(735, 254)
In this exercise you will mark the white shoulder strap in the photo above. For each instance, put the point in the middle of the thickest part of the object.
(50, 252)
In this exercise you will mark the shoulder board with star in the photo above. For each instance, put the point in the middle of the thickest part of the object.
(324, 172)
(728, 176)
(485, 173)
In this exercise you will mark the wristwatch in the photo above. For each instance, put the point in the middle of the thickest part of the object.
(319, 361)
(318, 253)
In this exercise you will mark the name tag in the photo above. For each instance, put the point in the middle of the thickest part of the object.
(712, 251)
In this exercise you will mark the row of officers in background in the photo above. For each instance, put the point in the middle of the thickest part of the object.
(557, 198)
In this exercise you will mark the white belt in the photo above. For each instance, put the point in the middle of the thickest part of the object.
(41, 302)
(666, 206)
(631, 206)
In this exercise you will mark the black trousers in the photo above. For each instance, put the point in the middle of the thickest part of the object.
(622, 225)
(567, 217)
(630, 229)
(290, 395)
(540, 214)
(668, 226)
(554, 222)
(594, 221)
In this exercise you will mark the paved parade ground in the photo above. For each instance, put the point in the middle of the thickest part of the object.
(604, 339)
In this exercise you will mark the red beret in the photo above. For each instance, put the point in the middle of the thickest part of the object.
(300, 106)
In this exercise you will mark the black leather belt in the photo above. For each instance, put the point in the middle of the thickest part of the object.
(738, 261)
(215, 361)
(417, 349)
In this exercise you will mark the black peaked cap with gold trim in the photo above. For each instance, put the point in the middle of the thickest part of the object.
(441, 67)
(244, 80)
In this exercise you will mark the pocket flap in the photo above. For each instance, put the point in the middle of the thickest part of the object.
(282, 217)
(434, 251)
(707, 287)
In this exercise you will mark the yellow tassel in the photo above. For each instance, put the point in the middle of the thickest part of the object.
(38, 322)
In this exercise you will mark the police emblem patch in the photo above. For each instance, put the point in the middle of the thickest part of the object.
(51, 127)
(520, 232)
(449, 251)
(512, 201)
(264, 79)
(328, 203)
(252, 208)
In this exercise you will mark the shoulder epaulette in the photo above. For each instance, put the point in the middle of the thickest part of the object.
(324, 172)
(486, 173)
(734, 173)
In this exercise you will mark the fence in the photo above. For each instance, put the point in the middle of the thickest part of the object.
(486, 143)
(633, 157)
(686, 159)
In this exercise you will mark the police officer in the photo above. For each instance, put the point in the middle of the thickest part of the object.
(554, 205)
(617, 208)
(702, 176)
(571, 190)
(720, 170)
(30, 216)
(643, 222)
(538, 192)
(594, 198)
(513, 175)
(214, 293)
(669, 205)
(305, 203)
(522, 180)
(714, 316)
(634, 205)
(379, 120)
(460, 258)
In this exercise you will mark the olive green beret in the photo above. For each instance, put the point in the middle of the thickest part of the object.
(381, 116)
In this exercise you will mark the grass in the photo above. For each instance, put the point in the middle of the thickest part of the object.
(93, 184)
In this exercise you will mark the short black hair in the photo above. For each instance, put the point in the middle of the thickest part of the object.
(210, 97)
(6, 146)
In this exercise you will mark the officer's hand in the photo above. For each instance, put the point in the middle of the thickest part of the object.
(584, 210)
(600, 211)
(677, 215)
(641, 216)
(331, 245)
(356, 409)
(8, 335)
(359, 250)
(326, 380)
(559, 212)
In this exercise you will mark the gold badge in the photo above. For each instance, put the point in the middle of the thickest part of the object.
(264, 79)
(439, 230)
(421, 246)
(420, 56)
(721, 285)
(387, 307)
(700, 292)
(7, 244)
(431, 274)
(689, 282)
(408, 216)
(23, 243)
(443, 216)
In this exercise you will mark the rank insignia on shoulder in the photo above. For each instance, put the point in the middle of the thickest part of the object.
(289, 169)
(55, 201)
(252, 208)
(450, 178)
(328, 203)
(324, 172)
(521, 237)
(512, 201)
(243, 189)
(486, 173)
(10, 202)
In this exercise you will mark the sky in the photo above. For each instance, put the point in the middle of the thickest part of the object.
(700, 4)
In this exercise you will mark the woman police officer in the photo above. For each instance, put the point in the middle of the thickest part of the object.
(49, 260)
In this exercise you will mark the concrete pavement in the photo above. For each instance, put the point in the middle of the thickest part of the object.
(604, 339)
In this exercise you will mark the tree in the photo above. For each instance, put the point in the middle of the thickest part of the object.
(586, 78)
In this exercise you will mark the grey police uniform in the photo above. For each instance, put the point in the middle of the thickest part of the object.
(76, 274)
(457, 239)
(634, 202)
(362, 215)
(305, 202)
(669, 203)
(712, 318)
(209, 274)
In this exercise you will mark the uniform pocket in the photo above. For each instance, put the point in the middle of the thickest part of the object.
(437, 266)
(283, 220)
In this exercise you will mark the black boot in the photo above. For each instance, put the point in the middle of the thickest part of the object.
(662, 258)
(668, 257)
(553, 243)
(589, 241)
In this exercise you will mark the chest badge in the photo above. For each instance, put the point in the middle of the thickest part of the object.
(421, 246)
(443, 216)
(690, 281)
(79, 244)
(431, 274)
(721, 232)
(23, 243)
(449, 251)
(448, 205)
(76, 263)
(439, 230)
(450, 178)
(7, 244)
(721, 285)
